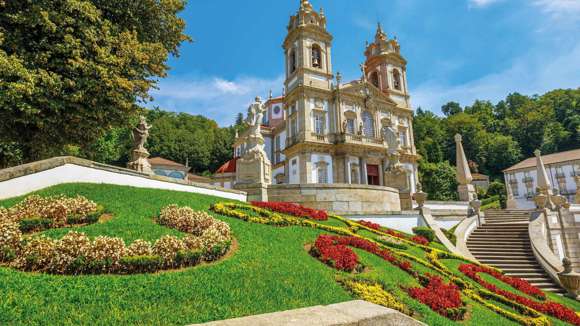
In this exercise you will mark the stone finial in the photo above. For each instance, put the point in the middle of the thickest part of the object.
(543, 180)
(463, 173)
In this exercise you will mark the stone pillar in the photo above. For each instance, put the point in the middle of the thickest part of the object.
(543, 182)
(577, 198)
(465, 189)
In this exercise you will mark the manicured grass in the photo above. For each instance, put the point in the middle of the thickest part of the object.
(270, 271)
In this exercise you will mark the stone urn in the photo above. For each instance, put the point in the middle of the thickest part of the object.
(559, 200)
(541, 200)
(476, 205)
(420, 197)
(570, 280)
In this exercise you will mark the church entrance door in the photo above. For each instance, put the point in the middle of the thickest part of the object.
(373, 176)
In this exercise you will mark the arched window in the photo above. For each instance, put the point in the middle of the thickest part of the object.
(397, 79)
(375, 79)
(292, 60)
(316, 56)
(368, 124)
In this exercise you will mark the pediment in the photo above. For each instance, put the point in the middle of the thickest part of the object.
(367, 90)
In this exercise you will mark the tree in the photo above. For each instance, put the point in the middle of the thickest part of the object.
(451, 108)
(71, 70)
(438, 180)
(429, 135)
(501, 152)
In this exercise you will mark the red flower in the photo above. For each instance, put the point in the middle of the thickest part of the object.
(371, 225)
(548, 307)
(293, 209)
(440, 297)
(420, 240)
(337, 255)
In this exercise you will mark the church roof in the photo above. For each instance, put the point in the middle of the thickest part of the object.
(228, 167)
(160, 161)
(549, 159)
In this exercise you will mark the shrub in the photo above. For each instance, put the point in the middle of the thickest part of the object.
(185, 219)
(139, 248)
(10, 237)
(105, 253)
(37, 254)
(141, 264)
(193, 243)
(167, 247)
(425, 232)
(35, 224)
(216, 251)
(188, 258)
(69, 248)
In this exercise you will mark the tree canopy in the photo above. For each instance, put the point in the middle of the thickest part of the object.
(72, 70)
(496, 136)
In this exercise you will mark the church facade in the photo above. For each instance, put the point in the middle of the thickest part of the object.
(324, 131)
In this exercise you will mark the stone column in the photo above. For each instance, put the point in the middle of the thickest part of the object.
(465, 189)
(577, 198)
(363, 171)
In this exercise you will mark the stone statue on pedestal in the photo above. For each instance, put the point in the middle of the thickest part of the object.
(139, 153)
(254, 167)
(390, 136)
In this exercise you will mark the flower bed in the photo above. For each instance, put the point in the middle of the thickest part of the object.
(208, 240)
(443, 298)
(375, 293)
(446, 303)
(37, 213)
(418, 239)
(548, 307)
(293, 209)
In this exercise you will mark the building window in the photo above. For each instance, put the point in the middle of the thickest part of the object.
(368, 124)
(316, 56)
(354, 174)
(277, 150)
(293, 127)
(319, 123)
(375, 79)
(350, 126)
(292, 60)
(397, 79)
(322, 172)
(403, 138)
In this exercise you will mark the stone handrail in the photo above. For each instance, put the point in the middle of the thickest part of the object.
(462, 232)
(541, 248)
(430, 221)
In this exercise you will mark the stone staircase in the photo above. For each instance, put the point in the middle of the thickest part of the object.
(503, 242)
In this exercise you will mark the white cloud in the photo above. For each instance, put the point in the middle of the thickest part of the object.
(213, 97)
(566, 10)
(482, 3)
(531, 74)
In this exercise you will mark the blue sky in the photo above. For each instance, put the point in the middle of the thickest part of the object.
(457, 50)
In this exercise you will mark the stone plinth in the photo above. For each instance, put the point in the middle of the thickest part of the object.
(356, 312)
(255, 191)
(466, 192)
(139, 161)
(342, 199)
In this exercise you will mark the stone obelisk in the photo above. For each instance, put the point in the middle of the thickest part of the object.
(544, 186)
(465, 189)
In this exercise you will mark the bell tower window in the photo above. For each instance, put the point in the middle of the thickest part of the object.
(316, 56)
(397, 79)
(375, 79)
(292, 61)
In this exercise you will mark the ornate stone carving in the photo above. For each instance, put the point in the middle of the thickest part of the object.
(570, 279)
(139, 153)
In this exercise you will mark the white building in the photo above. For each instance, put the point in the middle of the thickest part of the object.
(561, 168)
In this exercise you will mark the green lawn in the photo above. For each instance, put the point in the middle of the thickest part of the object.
(270, 271)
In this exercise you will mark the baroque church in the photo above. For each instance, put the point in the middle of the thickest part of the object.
(327, 131)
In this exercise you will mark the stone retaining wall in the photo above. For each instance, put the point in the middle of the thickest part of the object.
(342, 199)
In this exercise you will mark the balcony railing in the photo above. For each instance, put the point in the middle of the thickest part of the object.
(560, 175)
(528, 179)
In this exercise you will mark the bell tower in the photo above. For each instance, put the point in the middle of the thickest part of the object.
(385, 67)
(307, 50)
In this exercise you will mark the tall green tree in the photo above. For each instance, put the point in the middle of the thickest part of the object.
(71, 70)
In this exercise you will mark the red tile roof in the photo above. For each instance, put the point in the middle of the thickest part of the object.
(228, 167)
(165, 162)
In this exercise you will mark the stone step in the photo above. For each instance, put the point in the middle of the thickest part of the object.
(495, 236)
(491, 261)
(501, 231)
(506, 265)
(526, 275)
(498, 243)
(511, 227)
(523, 270)
(495, 252)
(506, 221)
